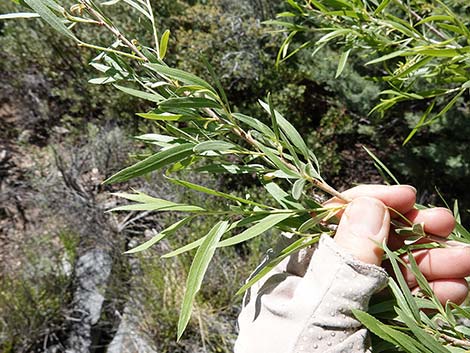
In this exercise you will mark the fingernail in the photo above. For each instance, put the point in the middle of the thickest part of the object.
(408, 187)
(365, 217)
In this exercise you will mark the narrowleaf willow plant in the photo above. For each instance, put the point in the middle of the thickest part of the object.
(198, 127)
(420, 49)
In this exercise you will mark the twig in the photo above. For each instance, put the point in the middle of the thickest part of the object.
(113, 30)
(455, 341)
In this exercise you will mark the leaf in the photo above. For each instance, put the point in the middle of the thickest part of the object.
(149, 203)
(381, 165)
(262, 226)
(333, 34)
(180, 75)
(188, 102)
(269, 265)
(281, 196)
(231, 168)
(160, 116)
(443, 53)
(157, 161)
(463, 329)
(138, 8)
(387, 57)
(164, 43)
(422, 120)
(389, 334)
(342, 62)
(153, 97)
(208, 191)
(183, 249)
(381, 7)
(16, 15)
(426, 339)
(270, 110)
(410, 304)
(274, 159)
(169, 206)
(435, 18)
(158, 237)
(291, 132)
(43, 8)
(298, 188)
(197, 271)
(255, 124)
(313, 221)
(216, 80)
(220, 146)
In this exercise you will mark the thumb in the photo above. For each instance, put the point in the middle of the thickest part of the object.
(364, 224)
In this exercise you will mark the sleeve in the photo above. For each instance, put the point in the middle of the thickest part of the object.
(304, 305)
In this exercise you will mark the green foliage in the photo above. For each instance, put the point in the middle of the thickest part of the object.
(420, 47)
(197, 125)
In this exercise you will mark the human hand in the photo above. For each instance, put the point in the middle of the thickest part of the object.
(365, 223)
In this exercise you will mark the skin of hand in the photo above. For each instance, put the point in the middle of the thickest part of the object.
(366, 222)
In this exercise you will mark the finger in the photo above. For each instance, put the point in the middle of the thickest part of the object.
(440, 263)
(438, 221)
(364, 226)
(399, 197)
(454, 290)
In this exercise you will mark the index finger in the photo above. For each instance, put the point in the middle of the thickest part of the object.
(398, 197)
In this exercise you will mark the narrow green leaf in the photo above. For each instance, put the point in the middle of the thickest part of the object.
(44, 10)
(183, 249)
(277, 161)
(16, 15)
(411, 306)
(208, 191)
(231, 168)
(138, 197)
(442, 53)
(422, 120)
(313, 221)
(270, 110)
(282, 197)
(153, 97)
(197, 271)
(149, 203)
(188, 102)
(175, 207)
(262, 226)
(180, 75)
(432, 345)
(216, 80)
(381, 7)
(157, 161)
(220, 146)
(160, 116)
(387, 57)
(255, 124)
(389, 334)
(435, 18)
(333, 34)
(298, 188)
(158, 237)
(291, 132)
(381, 165)
(269, 265)
(138, 8)
(164, 43)
(342, 62)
